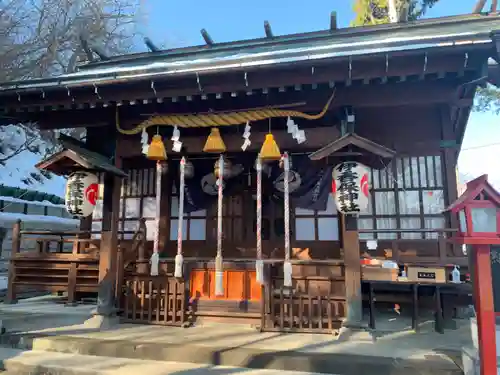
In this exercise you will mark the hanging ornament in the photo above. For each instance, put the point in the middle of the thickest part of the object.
(219, 271)
(144, 141)
(180, 221)
(177, 144)
(270, 150)
(82, 192)
(246, 137)
(351, 187)
(156, 150)
(227, 168)
(293, 129)
(214, 143)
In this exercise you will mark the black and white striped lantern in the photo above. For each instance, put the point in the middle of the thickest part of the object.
(82, 192)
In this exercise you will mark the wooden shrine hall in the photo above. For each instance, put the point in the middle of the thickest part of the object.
(266, 181)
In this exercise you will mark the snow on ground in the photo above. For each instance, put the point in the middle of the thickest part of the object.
(20, 169)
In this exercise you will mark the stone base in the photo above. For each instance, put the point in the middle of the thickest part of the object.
(102, 322)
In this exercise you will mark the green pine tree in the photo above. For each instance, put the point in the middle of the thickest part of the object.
(375, 12)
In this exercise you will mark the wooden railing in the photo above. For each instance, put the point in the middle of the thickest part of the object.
(154, 299)
(75, 270)
(62, 261)
(314, 304)
(161, 299)
(412, 251)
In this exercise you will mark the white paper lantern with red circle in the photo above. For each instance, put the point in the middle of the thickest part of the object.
(351, 187)
(82, 192)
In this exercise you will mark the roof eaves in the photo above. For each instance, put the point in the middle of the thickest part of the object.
(215, 61)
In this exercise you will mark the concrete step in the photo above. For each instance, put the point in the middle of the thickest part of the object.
(18, 362)
(247, 357)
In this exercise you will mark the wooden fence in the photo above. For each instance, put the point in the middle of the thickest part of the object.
(154, 300)
(314, 304)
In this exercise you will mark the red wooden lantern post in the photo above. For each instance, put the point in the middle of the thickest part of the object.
(478, 210)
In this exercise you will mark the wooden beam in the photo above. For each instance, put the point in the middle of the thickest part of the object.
(268, 30)
(206, 37)
(149, 43)
(316, 137)
(407, 93)
(333, 21)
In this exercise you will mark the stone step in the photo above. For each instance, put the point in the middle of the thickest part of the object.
(18, 362)
(247, 357)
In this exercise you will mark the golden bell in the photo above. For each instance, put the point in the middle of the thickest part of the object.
(156, 150)
(227, 169)
(214, 143)
(270, 149)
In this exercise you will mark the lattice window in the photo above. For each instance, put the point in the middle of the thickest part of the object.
(138, 199)
(408, 194)
(312, 225)
(194, 224)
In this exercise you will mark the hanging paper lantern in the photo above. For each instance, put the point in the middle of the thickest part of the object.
(351, 187)
(82, 192)
(227, 168)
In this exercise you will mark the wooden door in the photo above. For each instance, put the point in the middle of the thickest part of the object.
(239, 285)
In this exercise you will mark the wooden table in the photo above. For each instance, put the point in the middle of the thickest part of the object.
(414, 287)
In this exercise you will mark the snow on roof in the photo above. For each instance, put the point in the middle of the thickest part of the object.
(7, 217)
(17, 200)
(19, 170)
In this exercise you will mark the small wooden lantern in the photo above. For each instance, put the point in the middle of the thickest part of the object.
(478, 210)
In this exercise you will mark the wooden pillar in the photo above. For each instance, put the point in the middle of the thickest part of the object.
(108, 251)
(350, 245)
(485, 311)
(448, 165)
(16, 247)
(165, 193)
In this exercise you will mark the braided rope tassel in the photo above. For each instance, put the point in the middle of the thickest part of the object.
(155, 258)
(287, 265)
(219, 272)
(259, 264)
(180, 227)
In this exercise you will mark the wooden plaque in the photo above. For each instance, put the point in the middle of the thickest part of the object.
(427, 274)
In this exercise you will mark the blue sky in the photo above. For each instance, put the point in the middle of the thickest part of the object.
(228, 20)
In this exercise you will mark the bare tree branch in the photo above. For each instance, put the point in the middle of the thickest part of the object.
(40, 38)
